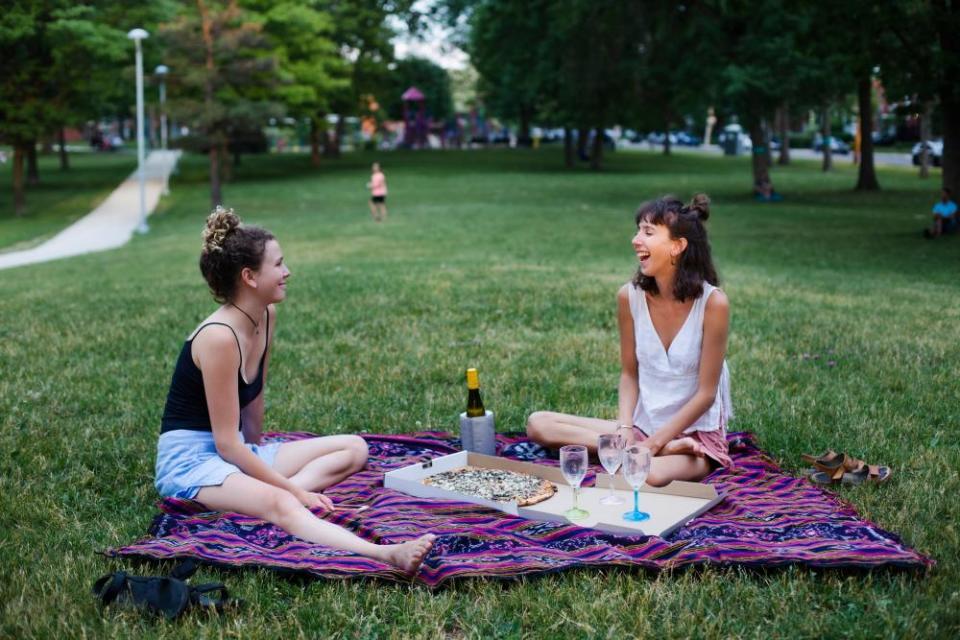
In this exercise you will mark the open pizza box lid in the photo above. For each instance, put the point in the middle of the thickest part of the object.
(670, 507)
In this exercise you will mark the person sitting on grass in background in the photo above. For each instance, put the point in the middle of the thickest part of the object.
(945, 216)
(210, 442)
(764, 192)
(378, 193)
(674, 393)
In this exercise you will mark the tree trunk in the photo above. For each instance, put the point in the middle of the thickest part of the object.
(924, 138)
(582, 134)
(596, 154)
(950, 95)
(666, 134)
(760, 163)
(867, 178)
(338, 135)
(215, 190)
(64, 158)
(206, 28)
(328, 143)
(315, 141)
(783, 130)
(950, 107)
(523, 134)
(33, 171)
(19, 201)
(568, 148)
(226, 169)
(825, 138)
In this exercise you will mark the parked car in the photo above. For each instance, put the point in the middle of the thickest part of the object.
(658, 137)
(934, 152)
(688, 139)
(836, 146)
(883, 139)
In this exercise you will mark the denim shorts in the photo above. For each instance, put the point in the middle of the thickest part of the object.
(188, 460)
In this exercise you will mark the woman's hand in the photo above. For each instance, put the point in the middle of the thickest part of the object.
(314, 500)
(626, 435)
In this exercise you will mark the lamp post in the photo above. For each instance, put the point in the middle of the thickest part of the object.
(161, 72)
(137, 35)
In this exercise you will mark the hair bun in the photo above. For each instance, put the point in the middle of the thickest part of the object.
(220, 223)
(701, 204)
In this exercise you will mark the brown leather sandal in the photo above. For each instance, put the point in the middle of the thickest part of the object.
(826, 457)
(867, 473)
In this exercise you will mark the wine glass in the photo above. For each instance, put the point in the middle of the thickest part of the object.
(610, 451)
(636, 466)
(573, 463)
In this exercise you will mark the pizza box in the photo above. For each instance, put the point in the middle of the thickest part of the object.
(670, 507)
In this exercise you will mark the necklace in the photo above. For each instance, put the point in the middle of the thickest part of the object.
(256, 325)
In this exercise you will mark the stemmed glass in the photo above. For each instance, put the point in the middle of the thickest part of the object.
(573, 464)
(636, 466)
(610, 451)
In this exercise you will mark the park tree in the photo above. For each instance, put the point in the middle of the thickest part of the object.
(507, 49)
(432, 79)
(310, 66)
(927, 35)
(57, 57)
(363, 32)
(760, 53)
(226, 88)
(679, 63)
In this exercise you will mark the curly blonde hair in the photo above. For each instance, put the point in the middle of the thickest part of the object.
(229, 247)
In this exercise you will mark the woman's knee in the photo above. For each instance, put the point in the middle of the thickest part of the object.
(657, 478)
(538, 425)
(359, 452)
(282, 508)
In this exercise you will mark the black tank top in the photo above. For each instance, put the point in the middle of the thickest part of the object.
(186, 406)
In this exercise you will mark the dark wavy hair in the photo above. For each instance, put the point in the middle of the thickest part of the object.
(229, 247)
(694, 265)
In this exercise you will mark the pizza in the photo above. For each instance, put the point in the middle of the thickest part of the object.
(494, 484)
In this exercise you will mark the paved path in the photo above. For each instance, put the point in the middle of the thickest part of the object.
(110, 225)
(880, 158)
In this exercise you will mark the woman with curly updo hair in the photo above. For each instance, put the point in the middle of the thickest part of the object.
(210, 448)
(674, 393)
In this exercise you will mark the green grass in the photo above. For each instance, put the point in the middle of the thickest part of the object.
(503, 261)
(61, 197)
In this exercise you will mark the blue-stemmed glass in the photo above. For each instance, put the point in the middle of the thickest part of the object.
(636, 467)
(573, 464)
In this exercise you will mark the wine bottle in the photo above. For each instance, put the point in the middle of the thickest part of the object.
(475, 407)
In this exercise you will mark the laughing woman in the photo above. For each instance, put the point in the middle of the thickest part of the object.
(674, 393)
(209, 448)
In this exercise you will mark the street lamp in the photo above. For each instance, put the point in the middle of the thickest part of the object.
(161, 72)
(137, 35)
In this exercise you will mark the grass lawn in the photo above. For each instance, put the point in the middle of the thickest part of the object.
(503, 261)
(61, 197)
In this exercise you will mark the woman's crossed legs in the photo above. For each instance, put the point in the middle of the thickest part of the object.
(679, 459)
(314, 465)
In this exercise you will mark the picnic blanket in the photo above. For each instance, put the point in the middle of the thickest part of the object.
(768, 519)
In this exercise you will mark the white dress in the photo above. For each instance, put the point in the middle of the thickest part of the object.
(667, 379)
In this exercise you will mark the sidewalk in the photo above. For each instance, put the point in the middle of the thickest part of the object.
(880, 158)
(110, 225)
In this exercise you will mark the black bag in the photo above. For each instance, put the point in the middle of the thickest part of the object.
(169, 595)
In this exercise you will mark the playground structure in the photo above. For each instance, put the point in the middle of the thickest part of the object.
(414, 119)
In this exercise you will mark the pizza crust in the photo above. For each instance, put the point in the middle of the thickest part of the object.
(495, 484)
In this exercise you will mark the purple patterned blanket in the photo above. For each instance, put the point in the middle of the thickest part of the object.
(768, 519)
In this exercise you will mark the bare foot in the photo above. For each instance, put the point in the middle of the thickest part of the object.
(408, 556)
(682, 446)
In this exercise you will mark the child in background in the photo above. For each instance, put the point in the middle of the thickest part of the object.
(378, 193)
